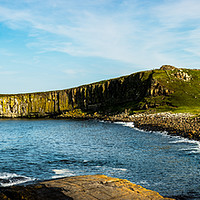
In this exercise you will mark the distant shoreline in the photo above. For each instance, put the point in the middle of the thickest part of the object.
(178, 124)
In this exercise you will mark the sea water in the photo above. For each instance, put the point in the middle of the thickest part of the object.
(36, 150)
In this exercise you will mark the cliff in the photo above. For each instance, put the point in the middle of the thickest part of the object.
(167, 88)
(91, 187)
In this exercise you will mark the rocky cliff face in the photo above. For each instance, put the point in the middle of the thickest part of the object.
(90, 98)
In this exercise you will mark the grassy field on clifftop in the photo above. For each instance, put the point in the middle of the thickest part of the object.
(184, 85)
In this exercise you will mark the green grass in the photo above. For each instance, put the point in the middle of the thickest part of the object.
(186, 96)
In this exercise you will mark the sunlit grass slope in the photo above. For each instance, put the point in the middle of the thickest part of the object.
(184, 85)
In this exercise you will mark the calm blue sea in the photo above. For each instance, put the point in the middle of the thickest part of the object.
(35, 150)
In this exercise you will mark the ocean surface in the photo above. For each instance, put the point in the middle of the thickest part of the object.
(35, 150)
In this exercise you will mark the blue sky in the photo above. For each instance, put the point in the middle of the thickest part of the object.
(48, 45)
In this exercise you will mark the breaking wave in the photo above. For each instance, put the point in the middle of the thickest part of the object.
(59, 173)
(9, 179)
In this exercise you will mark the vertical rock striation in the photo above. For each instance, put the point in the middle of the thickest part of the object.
(89, 98)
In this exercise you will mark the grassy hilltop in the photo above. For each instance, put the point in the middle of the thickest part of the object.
(184, 87)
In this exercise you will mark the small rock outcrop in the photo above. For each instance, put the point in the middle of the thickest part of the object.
(181, 75)
(168, 67)
(90, 187)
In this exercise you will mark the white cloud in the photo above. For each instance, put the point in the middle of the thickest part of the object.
(72, 72)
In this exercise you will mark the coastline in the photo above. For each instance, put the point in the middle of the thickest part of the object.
(180, 124)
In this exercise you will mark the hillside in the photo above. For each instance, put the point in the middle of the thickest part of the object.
(184, 87)
(164, 89)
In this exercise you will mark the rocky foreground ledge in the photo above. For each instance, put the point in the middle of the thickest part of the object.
(89, 187)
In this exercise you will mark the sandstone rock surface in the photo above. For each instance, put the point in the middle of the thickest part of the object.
(89, 187)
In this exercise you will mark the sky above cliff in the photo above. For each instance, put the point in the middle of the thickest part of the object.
(48, 45)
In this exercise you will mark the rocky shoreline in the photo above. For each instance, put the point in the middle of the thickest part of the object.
(178, 124)
(89, 187)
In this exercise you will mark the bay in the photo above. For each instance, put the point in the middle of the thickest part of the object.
(36, 150)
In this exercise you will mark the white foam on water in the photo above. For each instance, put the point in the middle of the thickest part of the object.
(119, 169)
(128, 124)
(9, 179)
(62, 173)
(192, 150)
(195, 148)
(163, 133)
(143, 182)
(131, 125)
(177, 139)
(140, 130)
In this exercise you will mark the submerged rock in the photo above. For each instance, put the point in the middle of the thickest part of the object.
(90, 187)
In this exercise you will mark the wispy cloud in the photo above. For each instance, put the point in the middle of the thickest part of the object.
(5, 52)
(174, 14)
(73, 72)
(8, 72)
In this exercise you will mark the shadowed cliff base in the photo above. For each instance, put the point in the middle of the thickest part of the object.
(90, 187)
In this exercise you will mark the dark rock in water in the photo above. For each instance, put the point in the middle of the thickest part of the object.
(90, 187)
